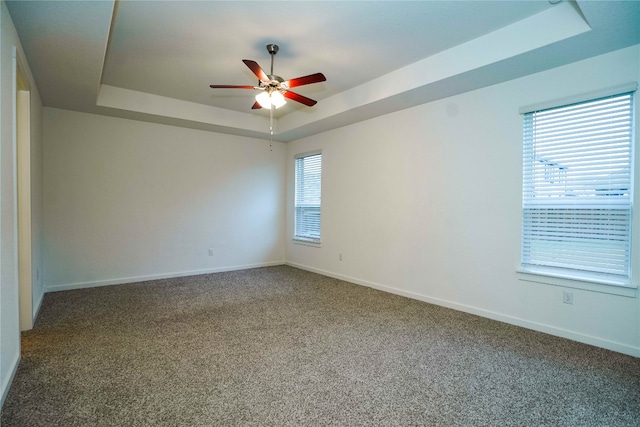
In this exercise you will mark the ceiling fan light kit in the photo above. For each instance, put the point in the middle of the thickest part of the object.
(273, 99)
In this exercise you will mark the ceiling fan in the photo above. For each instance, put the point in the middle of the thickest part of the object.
(274, 89)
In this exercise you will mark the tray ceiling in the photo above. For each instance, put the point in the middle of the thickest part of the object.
(155, 60)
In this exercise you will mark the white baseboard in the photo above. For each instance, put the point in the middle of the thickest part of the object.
(548, 329)
(123, 280)
(8, 380)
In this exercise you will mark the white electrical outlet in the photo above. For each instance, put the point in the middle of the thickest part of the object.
(210, 251)
(567, 297)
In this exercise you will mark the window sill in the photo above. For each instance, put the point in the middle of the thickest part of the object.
(588, 284)
(306, 242)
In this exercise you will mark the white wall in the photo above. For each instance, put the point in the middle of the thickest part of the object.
(127, 201)
(9, 296)
(426, 202)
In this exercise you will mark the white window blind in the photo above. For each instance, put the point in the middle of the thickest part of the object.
(577, 190)
(308, 180)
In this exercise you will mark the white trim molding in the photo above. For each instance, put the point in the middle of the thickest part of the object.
(540, 327)
(135, 279)
(8, 380)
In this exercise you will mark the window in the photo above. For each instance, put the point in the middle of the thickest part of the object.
(308, 180)
(577, 191)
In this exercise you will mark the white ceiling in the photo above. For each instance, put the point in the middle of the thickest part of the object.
(155, 60)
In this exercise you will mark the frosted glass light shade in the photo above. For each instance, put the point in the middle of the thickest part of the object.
(277, 99)
(266, 99)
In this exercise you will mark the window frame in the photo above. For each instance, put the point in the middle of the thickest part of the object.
(308, 238)
(563, 276)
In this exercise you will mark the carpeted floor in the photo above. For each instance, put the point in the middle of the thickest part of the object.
(280, 346)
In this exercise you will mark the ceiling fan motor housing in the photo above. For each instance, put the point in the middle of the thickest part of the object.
(275, 82)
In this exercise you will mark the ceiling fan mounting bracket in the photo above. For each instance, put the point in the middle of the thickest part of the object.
(272, 49)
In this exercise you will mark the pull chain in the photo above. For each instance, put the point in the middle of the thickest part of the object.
(271, 127)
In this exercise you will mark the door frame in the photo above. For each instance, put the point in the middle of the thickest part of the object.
(22, 141)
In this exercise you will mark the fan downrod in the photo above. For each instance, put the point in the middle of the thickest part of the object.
(272, 49)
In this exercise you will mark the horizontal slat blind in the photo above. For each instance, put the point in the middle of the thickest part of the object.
(577, 188)
(308, 191)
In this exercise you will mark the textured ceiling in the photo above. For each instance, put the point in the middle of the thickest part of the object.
(155, 60)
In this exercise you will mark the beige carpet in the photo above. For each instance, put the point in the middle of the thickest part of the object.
(279, 346)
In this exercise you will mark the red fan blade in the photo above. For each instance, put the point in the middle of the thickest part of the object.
(253, 66)
(230, 87)
(299, 98)
(256, 106)
(306, 80)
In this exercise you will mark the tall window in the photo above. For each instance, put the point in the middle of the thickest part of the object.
(308, 180)
(577, 190)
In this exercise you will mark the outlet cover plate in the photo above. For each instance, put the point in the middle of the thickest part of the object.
(567, 297)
